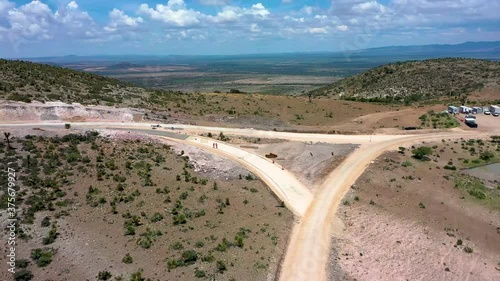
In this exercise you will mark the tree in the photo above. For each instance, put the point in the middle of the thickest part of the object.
(7, 139)
(463, 99)
(67, 126)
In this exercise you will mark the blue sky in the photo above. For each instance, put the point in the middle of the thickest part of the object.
(91, 27)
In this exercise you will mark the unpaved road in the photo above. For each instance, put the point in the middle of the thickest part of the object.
(309, 247)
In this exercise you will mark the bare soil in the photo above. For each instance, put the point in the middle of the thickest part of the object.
(406, 223)
(91, 231)
(310, 162)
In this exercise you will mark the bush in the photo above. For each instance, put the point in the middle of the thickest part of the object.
(67, 126)
(45, 222)
(189, 257)
(221, 266)
(406, 164)
(468, 250)
(199, 273)
(42, 257)
(23, 275)
(127, 259)
(450, 167)
(477, 193)
(177, 246)
(104, 275)
(422, 153)
(487, 155)
(22, 263)
(421, 205)
(156, 217)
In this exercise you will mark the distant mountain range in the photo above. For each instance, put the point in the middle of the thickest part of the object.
(483, 50)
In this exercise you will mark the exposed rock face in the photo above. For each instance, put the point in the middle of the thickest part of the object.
(58, 111)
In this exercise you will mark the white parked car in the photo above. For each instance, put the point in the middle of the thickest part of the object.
(487, 112)
(496, 114)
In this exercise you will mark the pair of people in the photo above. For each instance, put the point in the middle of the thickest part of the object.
(214, 145)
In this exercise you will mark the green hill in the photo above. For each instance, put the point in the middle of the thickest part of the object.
(27, 81)
(416, 81)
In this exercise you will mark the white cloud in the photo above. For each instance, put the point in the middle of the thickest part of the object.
(342, 27)
(174, 13)
(318, 30)
(255, 28)
(294, 19)
(369, 7)
(5, 6)
(119, 19)
(233, 13)
(73, 5)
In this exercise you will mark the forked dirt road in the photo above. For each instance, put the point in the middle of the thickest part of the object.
(309, 246)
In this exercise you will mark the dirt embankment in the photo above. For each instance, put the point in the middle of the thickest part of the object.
(58, 111)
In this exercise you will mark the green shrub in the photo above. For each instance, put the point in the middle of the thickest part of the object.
(199, 273)
(177, 246)
(23, 275)
(189, 257)
(156, 217)
(221, 266)
(422, 153)
(104, 275)
(406, 164)
(477, 193)
(127, 259)
(450, 167)
(468, 250)
(42, 257)
(487, 155)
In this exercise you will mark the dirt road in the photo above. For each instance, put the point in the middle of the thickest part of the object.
(309, 246)
(285, 185)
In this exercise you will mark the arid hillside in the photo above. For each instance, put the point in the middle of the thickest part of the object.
(27, 81)
(131, 208)
(416, 81)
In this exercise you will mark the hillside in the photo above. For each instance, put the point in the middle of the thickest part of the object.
(416, 80)
(26, 81)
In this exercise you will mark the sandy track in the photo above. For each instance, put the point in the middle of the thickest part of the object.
(309, 246)
(284, 185)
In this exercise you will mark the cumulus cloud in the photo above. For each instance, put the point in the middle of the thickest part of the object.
(119, 19)
(174, 13)
(233, 13)
(249, 20)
